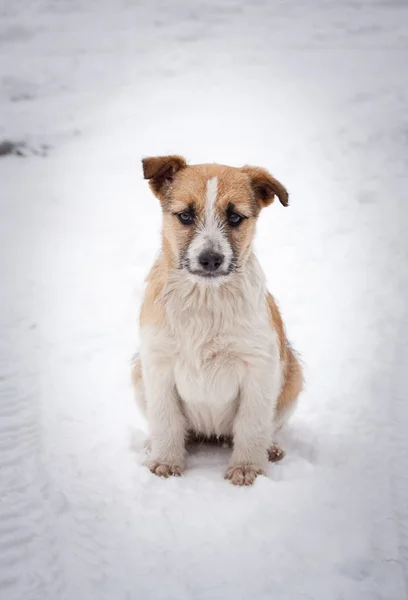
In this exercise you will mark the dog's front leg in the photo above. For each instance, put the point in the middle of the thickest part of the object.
(166, 421)
(253, 425)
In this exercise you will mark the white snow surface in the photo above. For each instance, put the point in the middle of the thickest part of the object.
(315, 91)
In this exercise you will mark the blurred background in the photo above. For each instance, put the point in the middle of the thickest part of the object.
(314, 91)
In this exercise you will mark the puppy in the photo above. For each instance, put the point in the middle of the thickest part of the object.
(214, 360)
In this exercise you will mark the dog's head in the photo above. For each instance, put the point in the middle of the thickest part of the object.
(209, 212)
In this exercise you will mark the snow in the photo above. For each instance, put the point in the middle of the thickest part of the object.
(316, 92)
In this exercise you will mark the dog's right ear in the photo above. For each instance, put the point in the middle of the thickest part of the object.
(161, 170)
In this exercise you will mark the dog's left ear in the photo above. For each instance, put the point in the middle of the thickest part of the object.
(161, 170)
(266, 187)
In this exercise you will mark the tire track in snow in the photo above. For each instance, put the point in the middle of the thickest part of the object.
(29, 561)
(399, 445)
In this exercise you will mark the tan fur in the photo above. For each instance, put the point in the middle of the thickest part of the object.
(170, 295)
(292, 371)
(266, 187)
(292, 386)
(160, 170)
(235, 186)
(152, 311)
(276, 323)
(137, 371)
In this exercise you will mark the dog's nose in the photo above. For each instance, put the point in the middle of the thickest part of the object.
(210, 260)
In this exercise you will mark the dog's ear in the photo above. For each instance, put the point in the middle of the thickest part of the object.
(161, 170)
(265, 187)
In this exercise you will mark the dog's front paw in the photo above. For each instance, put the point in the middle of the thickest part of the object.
(162, 469)
(243, 474)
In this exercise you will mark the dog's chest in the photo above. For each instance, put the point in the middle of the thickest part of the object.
(208, 379)
(216, 335)
(208, 372)
(211, 363)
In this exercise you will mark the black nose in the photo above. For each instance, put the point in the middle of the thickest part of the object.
(210, 260)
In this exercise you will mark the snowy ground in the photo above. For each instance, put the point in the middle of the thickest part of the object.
(315, 91)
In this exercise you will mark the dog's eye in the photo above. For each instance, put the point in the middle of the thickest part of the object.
(186, 218)
(235, 219)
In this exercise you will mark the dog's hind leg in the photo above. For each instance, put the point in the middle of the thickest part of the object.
(287, 401)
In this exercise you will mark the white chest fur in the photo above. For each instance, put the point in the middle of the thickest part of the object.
(213, 336)
(208, 378)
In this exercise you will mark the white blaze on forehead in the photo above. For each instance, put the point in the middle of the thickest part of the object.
(211, 197)
(210, 234)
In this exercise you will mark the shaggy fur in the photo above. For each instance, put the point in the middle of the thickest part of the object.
(214, 360)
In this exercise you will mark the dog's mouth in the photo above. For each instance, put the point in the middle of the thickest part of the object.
(206, 275)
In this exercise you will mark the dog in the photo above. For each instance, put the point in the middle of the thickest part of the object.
(214, 360)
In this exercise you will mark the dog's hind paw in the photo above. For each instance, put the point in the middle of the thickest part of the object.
(275, 453)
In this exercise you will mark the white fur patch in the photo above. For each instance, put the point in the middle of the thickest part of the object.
(210, 199)
(219, 352)
(210, 233)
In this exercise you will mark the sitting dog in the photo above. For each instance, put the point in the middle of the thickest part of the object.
(214, 360)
